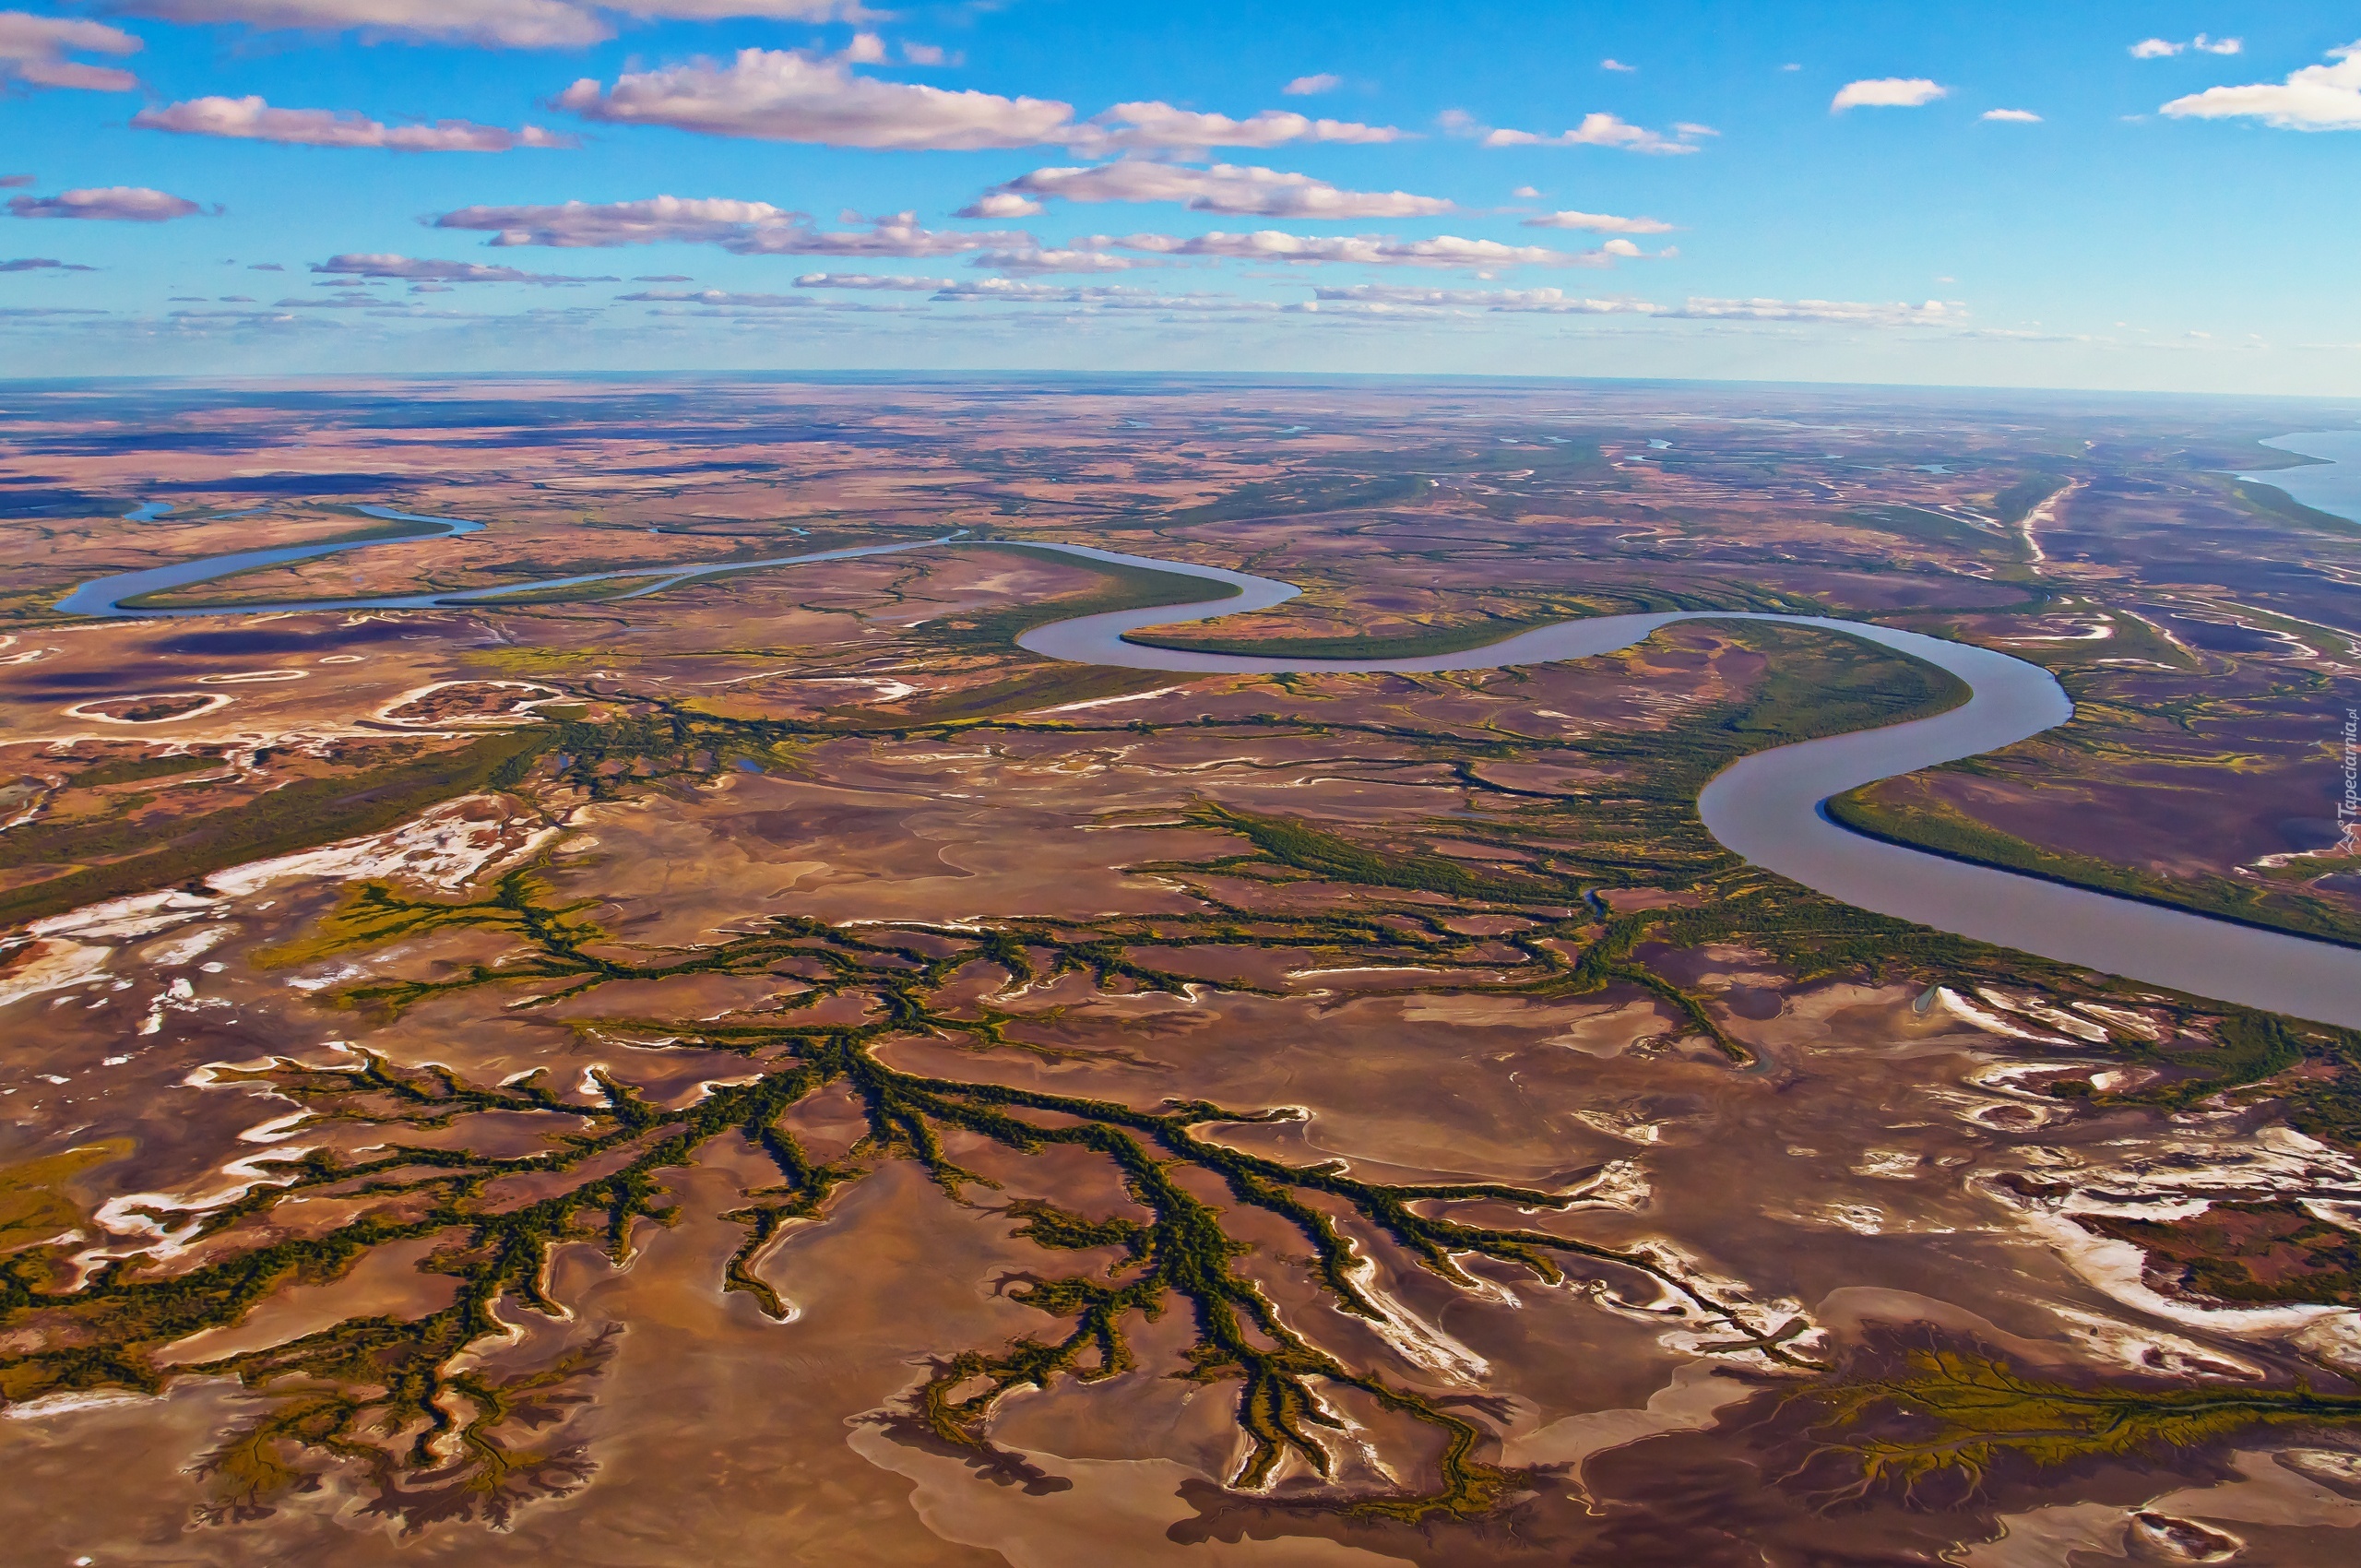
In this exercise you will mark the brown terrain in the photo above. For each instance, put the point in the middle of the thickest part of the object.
(769, 1071)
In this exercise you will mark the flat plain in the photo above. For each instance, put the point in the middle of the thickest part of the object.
(767, 1069)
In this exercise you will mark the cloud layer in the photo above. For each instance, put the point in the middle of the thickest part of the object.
(1599, 223)
(250, 119)
(133, 204)
(1225, 188)
(499, 24)
(744, 227)
(1556, 302)
(789, 95)
(1366, 250)
(421, 271)
(2318, 98)
(34, 50)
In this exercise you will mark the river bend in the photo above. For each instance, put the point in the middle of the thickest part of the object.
(1766, 807)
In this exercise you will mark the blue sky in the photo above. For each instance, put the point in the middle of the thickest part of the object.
(2165, 198)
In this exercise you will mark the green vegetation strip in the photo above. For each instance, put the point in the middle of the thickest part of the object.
(1942, 829)
(292, 817)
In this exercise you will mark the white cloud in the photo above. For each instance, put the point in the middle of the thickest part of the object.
(1887, 92)
(744, 227)
(894, 235)
(504, 24)
(690, 220)
(2163, 47)
(721, 297)
(2318, 98)
(1304, 87)
(1366, 250)
(1598, 129)
(891, 281)
(1001, 203)
(779, 95)
(1556, 302)
(250, 119)
(1225, 187)
(1524, 193)
(1599, 223)
(786, 95)
(33, 50)
(1036, 263)
(1157, 127)
(131, 204)
(419, 269)
(2012, 116)
(1614, 65)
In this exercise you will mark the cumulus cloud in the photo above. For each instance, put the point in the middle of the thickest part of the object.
(250, 119)
(1599, 223)
(1159, 128)
(34, 50)
(1614, 65)
(14, 182)
(781, 95)
(42, 263)
(746, 228)
(1001, 203)
(1556, 302)
(2163, 47)
(423, 269)
(721, 297)
(1225, 187)
(894, 235)
(2012, 116)
(656, 220)
(893, 282)
(1035, 263)
(1887, 92)
(1598, 129)
(1366, 250)
(1305, 86)
(2318, 98)
(132, 204)
(501, 24)
(790, 95)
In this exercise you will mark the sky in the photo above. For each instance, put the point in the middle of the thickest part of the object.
(2144, 197)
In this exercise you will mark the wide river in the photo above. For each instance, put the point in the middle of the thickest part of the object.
(1766, 807)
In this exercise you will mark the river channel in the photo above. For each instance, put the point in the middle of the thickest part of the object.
(1766, 807)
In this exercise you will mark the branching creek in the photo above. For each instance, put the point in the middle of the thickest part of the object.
(434, 1430)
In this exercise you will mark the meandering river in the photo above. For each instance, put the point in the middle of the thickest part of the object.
(1766, 807)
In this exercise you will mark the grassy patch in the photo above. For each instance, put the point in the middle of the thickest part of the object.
(2269, 501)
(129, 770)
(1942, 829)
(297, 816)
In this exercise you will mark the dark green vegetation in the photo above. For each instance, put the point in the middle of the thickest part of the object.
(1121, 587)
(384, 1396)
(1941, 829)
(1458, 631)
(2016, 501)
(129, 857)
(2269, 501)
(1936, 1425)
(133, 769)
(1298, 496)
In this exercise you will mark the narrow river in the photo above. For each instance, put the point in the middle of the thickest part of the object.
(1766, 807)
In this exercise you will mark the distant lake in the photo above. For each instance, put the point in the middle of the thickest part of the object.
(2335, 488)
